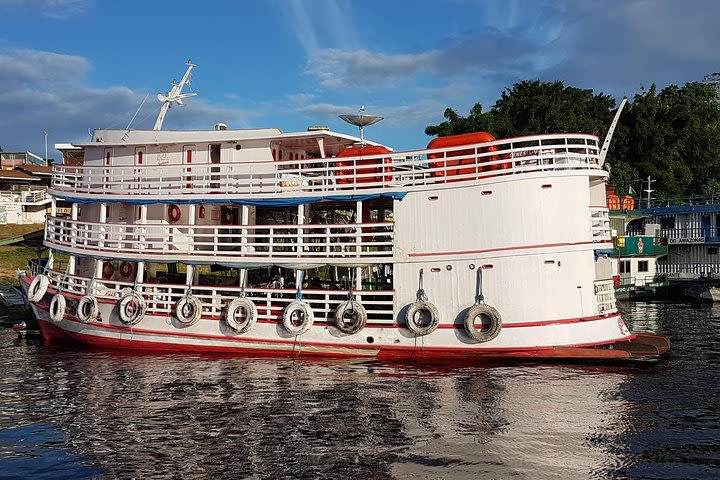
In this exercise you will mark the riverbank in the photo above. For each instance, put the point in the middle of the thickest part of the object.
(14, 257)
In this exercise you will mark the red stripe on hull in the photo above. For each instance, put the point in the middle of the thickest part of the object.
(500, 249)
(319, 349)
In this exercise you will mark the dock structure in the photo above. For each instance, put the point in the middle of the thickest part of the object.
(24, 178)
(686, 233)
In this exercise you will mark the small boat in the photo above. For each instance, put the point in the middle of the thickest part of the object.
(13, 305)
(707, 293)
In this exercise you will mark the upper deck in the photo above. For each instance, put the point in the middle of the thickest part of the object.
(267, 164)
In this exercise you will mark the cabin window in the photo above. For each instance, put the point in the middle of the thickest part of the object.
(642, 266)
(624, 266)
(712, 250)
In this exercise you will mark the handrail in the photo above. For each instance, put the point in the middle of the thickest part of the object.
(161, 297)
(697, 268)
(25, 196)
(390, 170)
(605, 296)
(691, 200)
(308, 241)
(600, 224)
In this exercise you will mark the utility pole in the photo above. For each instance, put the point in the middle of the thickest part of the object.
(649, 189)
(46, 152)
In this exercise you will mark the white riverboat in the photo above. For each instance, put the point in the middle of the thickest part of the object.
(323, 243)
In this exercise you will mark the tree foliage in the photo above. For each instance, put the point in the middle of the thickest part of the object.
(533, 107)
(673, 136)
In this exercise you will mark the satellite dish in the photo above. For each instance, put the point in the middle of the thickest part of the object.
(361, 120)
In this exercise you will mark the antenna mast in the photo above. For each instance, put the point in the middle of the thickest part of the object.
(649, 189)
(174, 96)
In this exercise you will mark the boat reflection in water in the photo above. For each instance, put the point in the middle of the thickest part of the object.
(160, 416)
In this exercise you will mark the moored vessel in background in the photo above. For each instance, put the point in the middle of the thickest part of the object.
(322, 243)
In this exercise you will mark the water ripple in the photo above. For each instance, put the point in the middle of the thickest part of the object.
(80, 413)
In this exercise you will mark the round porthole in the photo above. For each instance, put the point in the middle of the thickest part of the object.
(238, 147)
(370, 340)
(472, 266)
(448, 267)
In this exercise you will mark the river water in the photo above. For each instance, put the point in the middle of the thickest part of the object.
(80, 413)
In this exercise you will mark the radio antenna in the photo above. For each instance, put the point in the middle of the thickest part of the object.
(174, 96)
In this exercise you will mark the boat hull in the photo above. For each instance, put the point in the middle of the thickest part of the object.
(161, 333)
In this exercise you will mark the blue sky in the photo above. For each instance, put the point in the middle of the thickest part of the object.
(67, 66)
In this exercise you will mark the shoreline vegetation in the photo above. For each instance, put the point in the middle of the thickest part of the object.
(14, 257)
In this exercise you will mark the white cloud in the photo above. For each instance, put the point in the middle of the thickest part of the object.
(301, 23)
(48, 91)
(319, 22)
(58, 9)
(22, 67)
(337, 68)
(486, 52)
(635, 42)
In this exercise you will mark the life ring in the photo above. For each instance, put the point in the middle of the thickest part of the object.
(57, 308)
(126, 269)
(107, 270)
(350, 317)
(174, 213)
(38, 287)
(483, 334)
(87, 309)
(241, 308)
(414, 318)
(298, 317)
(132, 308)
(188, 310)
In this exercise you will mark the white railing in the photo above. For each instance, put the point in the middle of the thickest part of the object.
(271, 302)
(605, 296)
(24, 196)
(307, 242)
(689, 270)
(337, 175)
(600, 224)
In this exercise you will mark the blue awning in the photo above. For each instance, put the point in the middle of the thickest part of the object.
(259, 202)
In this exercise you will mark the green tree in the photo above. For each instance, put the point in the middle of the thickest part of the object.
(532, 107)
(674, 137)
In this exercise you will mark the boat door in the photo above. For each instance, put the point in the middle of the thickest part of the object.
(188, 158)
(214, 159)
(138, 161)
(108, 160)
(705, 225)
